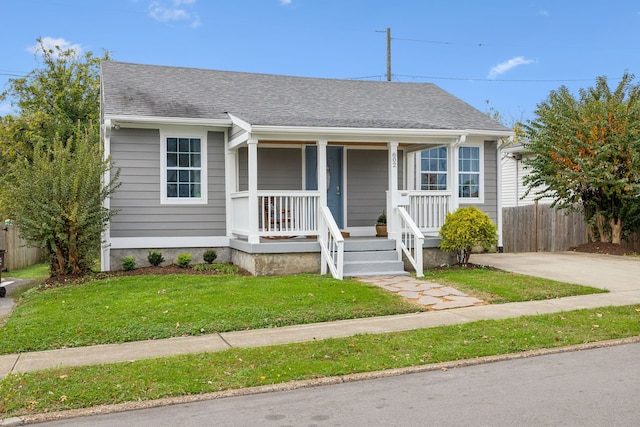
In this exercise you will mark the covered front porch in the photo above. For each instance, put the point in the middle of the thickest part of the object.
(275, 203)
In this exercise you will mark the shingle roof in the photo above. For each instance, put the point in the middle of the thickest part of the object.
(263, 99)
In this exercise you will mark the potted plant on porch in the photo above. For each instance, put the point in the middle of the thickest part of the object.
(381, 225)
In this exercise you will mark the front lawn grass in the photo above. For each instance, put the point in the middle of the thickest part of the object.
(37, 271)
(68, 388)
(499, 287)
(133, 308)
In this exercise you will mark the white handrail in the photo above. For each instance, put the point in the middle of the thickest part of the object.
(331, 244)
(411, 240)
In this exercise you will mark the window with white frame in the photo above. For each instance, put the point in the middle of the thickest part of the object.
(469, 172)
(433, 175)
(183, 169)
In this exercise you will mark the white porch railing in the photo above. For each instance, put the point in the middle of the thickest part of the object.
(331, 245)
(428, 209)
(411, 240)
(280, 213)
(287, 213)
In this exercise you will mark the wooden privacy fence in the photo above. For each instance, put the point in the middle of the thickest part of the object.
(541, 228)
(18, 254)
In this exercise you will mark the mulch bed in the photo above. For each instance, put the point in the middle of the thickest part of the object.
(75, 279)
(603, 248)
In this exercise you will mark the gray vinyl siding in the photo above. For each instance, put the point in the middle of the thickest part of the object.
(367, 183)
(490, 179)
(136, 152)
(279, 169)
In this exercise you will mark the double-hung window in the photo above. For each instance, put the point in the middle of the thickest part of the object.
(469, 172)
(184, 172)
(434, 169)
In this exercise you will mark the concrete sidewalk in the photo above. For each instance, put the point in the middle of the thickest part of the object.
(620, 275)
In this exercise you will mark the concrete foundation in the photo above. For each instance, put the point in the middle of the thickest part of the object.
(266, 259)
(431, 257)
(277, 264)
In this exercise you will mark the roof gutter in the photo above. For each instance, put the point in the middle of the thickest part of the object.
(387, 132)
(118, 120)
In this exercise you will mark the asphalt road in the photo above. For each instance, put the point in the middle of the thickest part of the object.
(599, 387)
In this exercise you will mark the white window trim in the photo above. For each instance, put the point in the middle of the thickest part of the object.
(470, 200)
(183, 132)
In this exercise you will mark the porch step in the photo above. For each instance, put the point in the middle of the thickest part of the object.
(372, 257)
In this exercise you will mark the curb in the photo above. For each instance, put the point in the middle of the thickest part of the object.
(294, 385)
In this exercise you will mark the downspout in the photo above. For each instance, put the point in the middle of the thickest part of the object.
(105, 254)
(499, 192)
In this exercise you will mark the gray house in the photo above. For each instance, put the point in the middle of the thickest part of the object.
(288, 174)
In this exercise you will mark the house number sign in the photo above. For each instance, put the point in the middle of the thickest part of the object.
(394, 159)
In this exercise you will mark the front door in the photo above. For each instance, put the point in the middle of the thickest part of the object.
(335, 189)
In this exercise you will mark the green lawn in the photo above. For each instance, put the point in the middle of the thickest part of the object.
(68, 388)
(133, 308)
(136, 308)
(498, 287)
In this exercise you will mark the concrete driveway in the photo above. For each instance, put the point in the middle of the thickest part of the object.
(6, 303)
(615, 273)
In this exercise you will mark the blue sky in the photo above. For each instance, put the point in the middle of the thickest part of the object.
(507, 55)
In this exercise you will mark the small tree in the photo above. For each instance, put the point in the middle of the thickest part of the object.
(56, 200)
(466, 228)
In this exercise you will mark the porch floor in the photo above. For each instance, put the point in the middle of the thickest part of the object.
(305, 244)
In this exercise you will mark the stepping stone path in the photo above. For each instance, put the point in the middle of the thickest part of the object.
(432, 295)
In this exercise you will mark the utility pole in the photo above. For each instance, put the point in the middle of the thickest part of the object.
(388, 54)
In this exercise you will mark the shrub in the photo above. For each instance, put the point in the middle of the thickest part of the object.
(129, 263)
(184, 260)
(155, 258)
(466, 228)
(209, 256)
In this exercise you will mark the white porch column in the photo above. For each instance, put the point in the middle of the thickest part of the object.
(410, 171)
(453, 175)
(322, 172)
(231, 185)
(392, 194)
(252, 166)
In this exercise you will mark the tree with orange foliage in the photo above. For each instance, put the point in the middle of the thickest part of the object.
(588, 153)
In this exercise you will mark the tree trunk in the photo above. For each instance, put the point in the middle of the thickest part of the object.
(602, 233)
(616, 230)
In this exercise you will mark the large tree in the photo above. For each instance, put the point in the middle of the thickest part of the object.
(52, 161)
(51, 100)
(588, 152)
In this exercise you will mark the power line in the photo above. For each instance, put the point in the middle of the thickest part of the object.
(496, 80)
(439, 42)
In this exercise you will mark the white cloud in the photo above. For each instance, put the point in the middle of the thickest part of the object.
(285, 2)
(176, 10)
(50, 44)
(508, 65)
